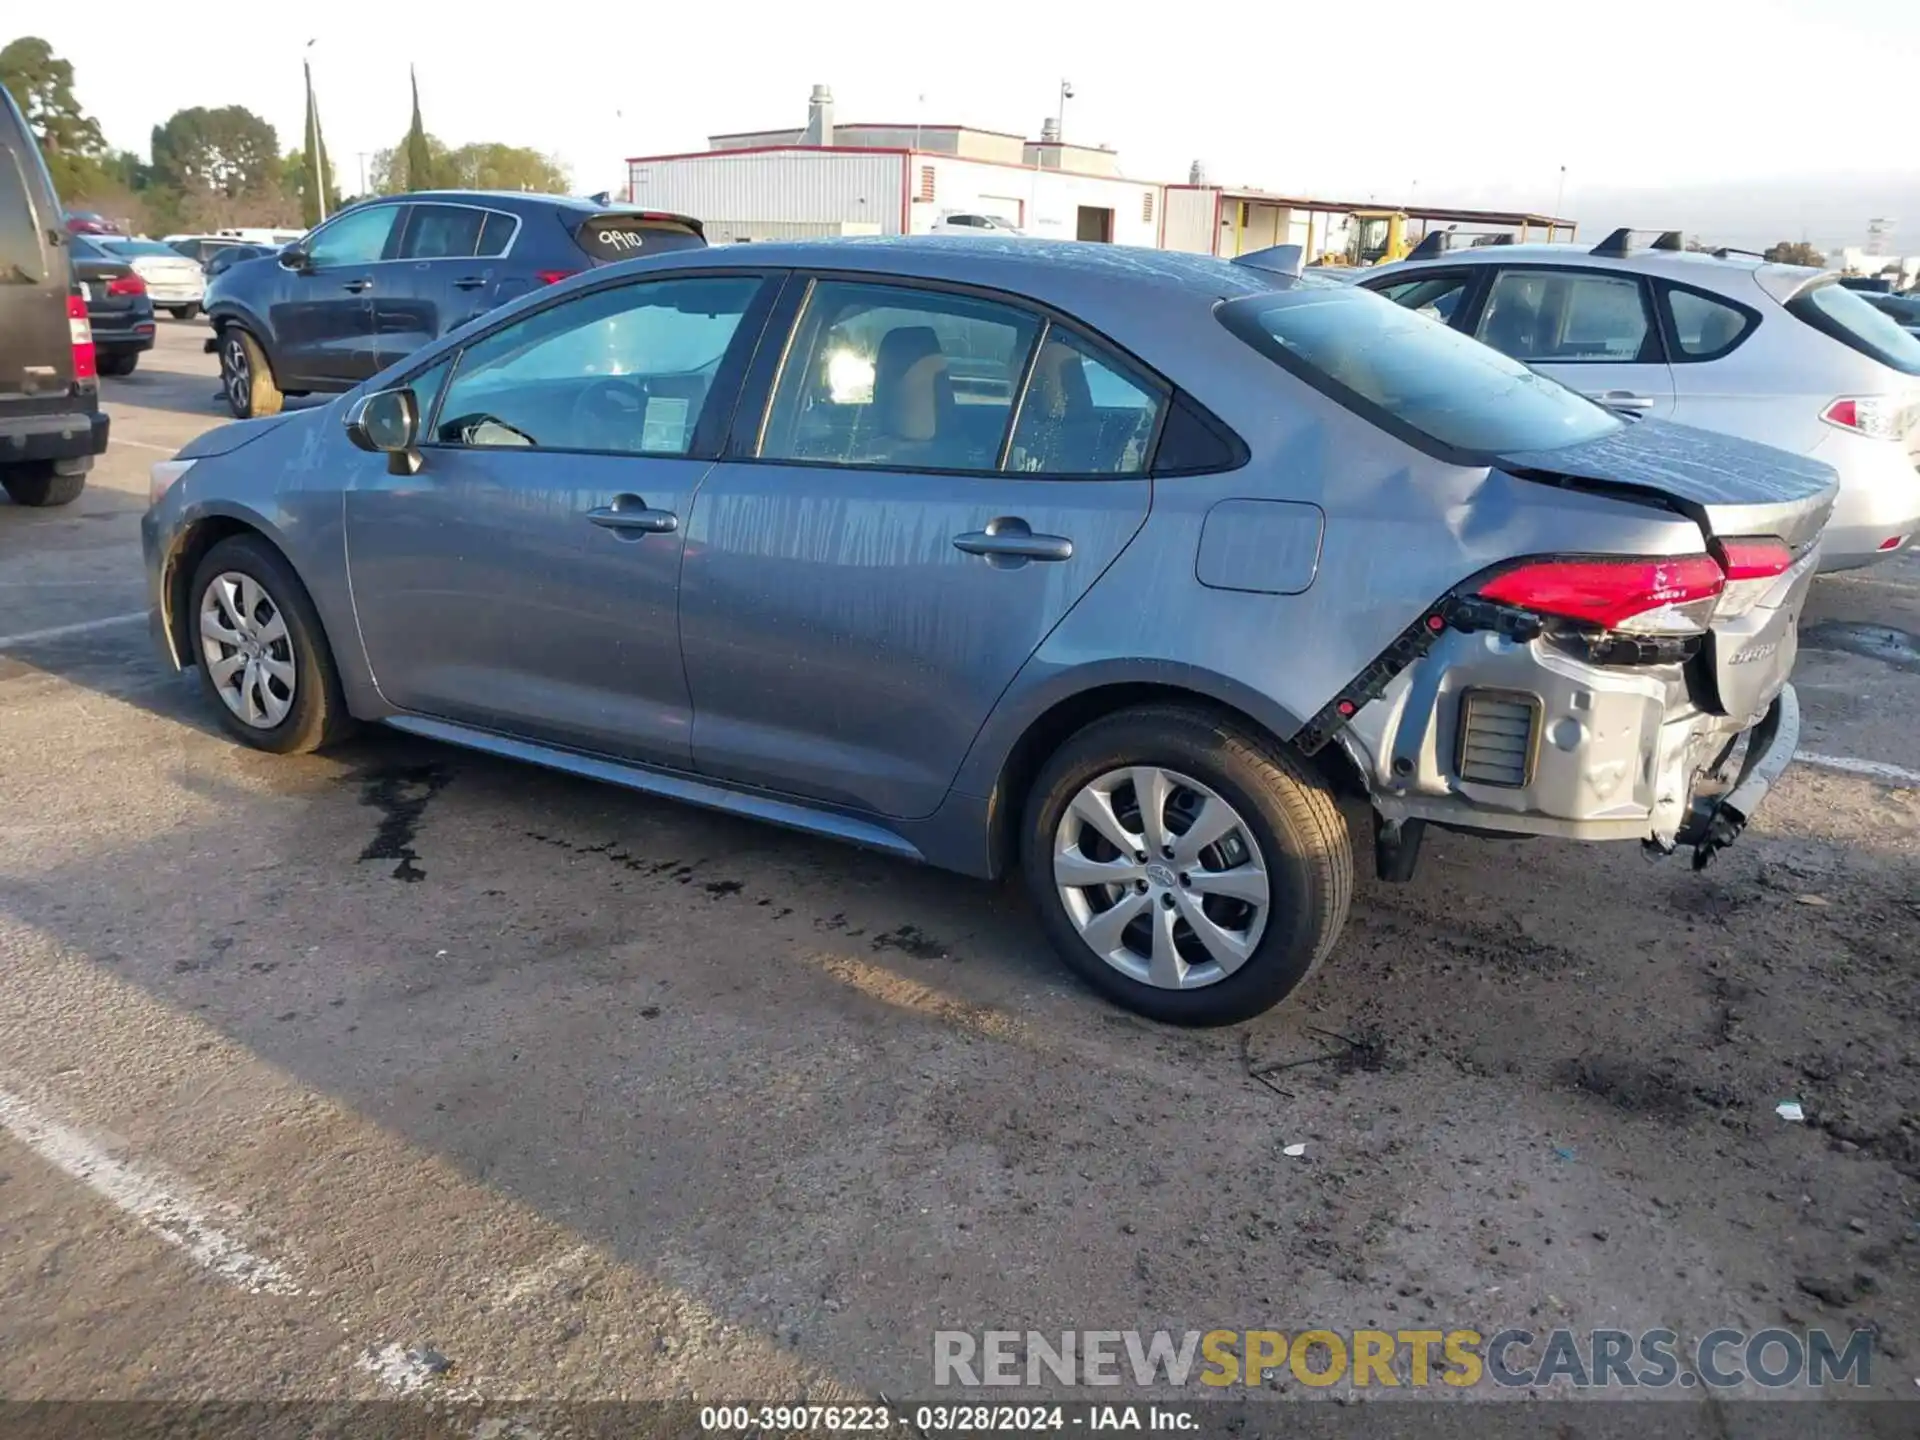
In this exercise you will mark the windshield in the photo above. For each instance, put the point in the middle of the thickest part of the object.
(1431, 385)
(141, 247)
(1843, 315)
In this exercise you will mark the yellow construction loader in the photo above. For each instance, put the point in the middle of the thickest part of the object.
(1378, 237)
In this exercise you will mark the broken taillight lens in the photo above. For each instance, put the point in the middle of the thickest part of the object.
(1753, 567)
(1671, 595)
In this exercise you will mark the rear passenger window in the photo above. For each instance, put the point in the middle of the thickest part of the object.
(441, 232)
(1083, 413)
(904, 379)
(1564, 316)
(22, 259)
(496, 234)
(1703, 327)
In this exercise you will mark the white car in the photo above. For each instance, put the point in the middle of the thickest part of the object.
(1781, 354)
(176, 284)
(973, 223)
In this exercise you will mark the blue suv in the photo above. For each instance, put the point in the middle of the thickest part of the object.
(380, 279)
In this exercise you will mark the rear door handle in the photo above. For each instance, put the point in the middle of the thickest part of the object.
(469, 282)
(631, 517)
(1010, 541)
(356, 286)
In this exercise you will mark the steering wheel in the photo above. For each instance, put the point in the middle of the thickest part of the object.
(612, 411)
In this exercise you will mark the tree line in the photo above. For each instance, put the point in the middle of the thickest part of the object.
(209, 167)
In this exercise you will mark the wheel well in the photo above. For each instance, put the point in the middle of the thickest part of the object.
(1054, 727)
(179, 575)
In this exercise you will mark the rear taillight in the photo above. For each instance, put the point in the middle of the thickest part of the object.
(82, 333)
(552, 277)
(1667, 596)
(1874, 416)
(126, 285)
(1753, 566)
(1892, 543)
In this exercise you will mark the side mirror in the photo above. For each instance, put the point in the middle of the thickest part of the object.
(388, 421)
(295, 258)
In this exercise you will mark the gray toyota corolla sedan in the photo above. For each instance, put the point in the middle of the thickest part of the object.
(1117, 566)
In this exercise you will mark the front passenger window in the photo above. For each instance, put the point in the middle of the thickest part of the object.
(625, 370)
(358, 237)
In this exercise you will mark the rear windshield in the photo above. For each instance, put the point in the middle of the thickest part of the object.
(621, 237)
(1432, 386)
(141, 247)
(1836, 311)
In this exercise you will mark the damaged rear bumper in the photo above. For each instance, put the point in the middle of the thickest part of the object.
(1715, 821)
(1497, 736)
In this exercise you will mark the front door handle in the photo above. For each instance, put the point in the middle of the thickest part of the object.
(630, 517)
(1621, 400)
(1009, 541)
(356, 286)
(469, 282)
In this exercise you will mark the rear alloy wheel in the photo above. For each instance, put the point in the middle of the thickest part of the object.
(260, 650)
(1184, 867)
(246, 379)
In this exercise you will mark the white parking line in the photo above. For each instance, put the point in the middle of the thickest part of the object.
(1871, 769)
(80, 627)
(143, 445)
(162, 1208)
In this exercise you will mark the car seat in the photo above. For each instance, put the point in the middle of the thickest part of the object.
(912, 397)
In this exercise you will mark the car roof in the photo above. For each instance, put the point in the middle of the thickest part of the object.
(1695, 267)
(521, 201)
(1025, 265)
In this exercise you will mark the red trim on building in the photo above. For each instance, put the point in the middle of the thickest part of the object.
(772, 150)
(871, 125)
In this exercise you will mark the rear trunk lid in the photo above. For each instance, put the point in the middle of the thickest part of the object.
(1732, 489)
(1729, 486)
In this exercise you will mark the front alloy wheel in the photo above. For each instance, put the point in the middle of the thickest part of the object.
(248, 650)
(1161, 877)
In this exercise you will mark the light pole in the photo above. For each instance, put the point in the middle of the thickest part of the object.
(1060, 118)
(316, 152)
(1559, 195)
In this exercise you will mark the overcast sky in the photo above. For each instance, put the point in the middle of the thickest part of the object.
(1746, 119)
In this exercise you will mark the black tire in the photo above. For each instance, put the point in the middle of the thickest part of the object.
(183, 312)
(246, 377)
(120, 364)
(1288, 813)
(38, 484)
(318, 715)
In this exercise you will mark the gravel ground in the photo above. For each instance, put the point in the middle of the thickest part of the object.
(573, 1094)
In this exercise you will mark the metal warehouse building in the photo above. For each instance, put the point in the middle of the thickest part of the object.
(896, 179)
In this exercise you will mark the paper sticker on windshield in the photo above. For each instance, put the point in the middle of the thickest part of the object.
(665, 425)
